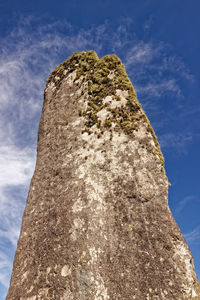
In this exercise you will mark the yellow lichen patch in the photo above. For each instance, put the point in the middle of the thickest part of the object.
(130, 228)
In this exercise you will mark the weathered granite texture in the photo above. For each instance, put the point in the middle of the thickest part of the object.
(97, 225)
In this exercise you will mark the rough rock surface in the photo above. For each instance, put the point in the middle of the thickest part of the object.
(97, 223)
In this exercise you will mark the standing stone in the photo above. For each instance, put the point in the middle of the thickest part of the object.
(97, 225)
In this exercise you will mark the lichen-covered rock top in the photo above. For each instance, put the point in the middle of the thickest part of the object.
(106, 77)
(97, 225)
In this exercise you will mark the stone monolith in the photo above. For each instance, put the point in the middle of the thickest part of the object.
(97, 225)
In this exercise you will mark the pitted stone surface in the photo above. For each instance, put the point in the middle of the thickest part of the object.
(97, 225)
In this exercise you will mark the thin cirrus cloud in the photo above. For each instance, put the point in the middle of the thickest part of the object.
(184, 202)
(177, 141)
(193, 237)
(16, 169)
(159, 88)
(176, 65)
(141, 53)
(159, 69)
(4, 266)
(27, 56)
(17, 166)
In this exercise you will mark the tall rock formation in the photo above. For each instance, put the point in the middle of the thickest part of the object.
(97, 225)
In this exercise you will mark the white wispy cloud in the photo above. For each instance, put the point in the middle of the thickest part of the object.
(4, 266)
(141, 53)
(184, 202)
(159, 88)
(177, 141)
(193, 236)
(156, 71)
(16, 165)
(176, 65)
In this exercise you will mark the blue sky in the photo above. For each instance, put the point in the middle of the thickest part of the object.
(158, 41)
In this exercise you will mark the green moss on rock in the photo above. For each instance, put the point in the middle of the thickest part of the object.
(105, 76)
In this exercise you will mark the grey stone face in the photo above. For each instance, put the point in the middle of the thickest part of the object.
(97, 225)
